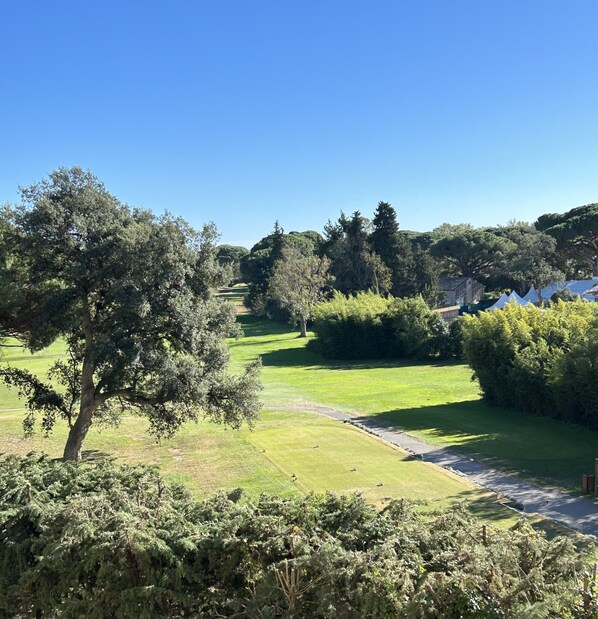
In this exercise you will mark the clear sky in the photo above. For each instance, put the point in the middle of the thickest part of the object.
(243, 112)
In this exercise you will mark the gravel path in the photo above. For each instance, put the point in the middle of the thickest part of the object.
(574, 512)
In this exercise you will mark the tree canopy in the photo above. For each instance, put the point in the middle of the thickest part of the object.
(353, 263)
(298, 282)
(468, 251)
(229, 258)
(129, 293)
(576, 232)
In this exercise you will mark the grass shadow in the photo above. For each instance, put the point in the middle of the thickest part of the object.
(253, 326)
(535, 448)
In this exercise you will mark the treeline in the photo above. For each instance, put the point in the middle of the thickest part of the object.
(542, 361)
(102, 540)
(355, 254)
(369, 326)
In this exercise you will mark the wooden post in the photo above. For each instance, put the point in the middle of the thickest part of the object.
(596, 476)
(484, 536)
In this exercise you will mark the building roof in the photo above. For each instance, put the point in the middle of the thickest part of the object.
(592, 292)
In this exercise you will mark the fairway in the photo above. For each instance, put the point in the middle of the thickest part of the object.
(290, 452)
(438, 403)
(285, 454)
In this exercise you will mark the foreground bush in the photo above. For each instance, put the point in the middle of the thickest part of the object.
(368, 326)
(102, 541)
(541, 361)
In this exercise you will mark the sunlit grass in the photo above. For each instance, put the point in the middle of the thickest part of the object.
(437, 402)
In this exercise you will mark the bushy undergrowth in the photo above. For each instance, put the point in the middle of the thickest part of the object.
(102, 541)
(368, 326)
(543, 361)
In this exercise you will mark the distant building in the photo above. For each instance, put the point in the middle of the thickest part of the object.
(448, 313)
(461, 290)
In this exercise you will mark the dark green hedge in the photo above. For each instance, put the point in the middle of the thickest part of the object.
(103, 541)
(368, 326)
(543, 361)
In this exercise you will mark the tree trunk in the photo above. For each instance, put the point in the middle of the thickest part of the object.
(77, 433)
(595, 267)
(89, 404)
(303, 326)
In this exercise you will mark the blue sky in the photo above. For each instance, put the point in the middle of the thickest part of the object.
(245, 112)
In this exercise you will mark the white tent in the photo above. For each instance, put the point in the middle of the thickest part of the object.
(500, 303)
(512, 298)
(532, 296)
(515, 298)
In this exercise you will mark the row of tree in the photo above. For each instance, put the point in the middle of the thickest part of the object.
(103, 541)
(355, 254)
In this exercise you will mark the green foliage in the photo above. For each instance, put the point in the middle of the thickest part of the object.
(229, 257)
(532, 260)
(573, 380)
(468, 251)
(576, 233)
(356, 268)
(257, 267)
(353, 327)
(129, 292)
(297, 283)
(412, 270)
(105, 541)
(534, 359)
(368, 326)
(420, 333)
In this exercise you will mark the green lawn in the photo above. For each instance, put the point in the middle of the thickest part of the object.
(321, 453)
(436, 402)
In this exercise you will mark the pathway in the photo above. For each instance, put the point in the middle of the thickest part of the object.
(574, 512)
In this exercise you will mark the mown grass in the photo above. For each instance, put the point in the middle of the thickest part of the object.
(286, 453)
(438, 403)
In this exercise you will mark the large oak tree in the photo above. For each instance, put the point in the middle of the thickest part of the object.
(129, 293)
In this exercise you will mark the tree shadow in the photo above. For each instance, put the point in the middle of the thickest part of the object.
(294, 357)
(254, 326)
(376, 364)
(95, 455)
(517, 444)
(302, 356)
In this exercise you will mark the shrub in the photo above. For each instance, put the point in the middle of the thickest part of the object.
(369, 326)
(102, 540)
(419, 333)
(353, 327)
(535, 360)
